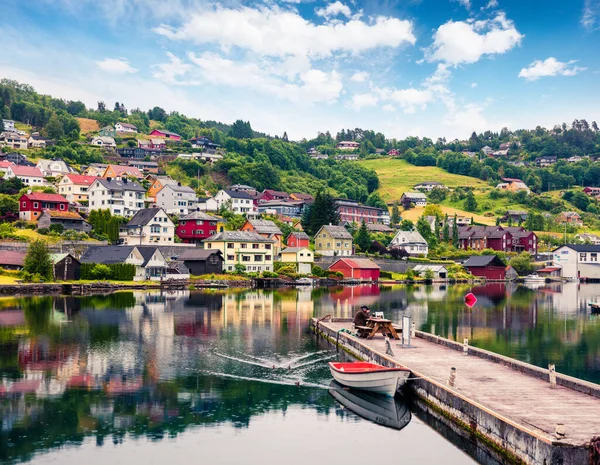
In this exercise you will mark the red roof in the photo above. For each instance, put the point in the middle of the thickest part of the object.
(548, 269)
(45, 197)
(121, 169)
(360, 263)
(12, 257)
(5, 164)
(81, 179)
(20, 170)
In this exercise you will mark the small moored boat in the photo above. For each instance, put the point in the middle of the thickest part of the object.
(595, 307)
(534, 278)
(369, 376)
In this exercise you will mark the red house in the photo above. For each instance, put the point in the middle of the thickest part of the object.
(166, 134)
(197, 226)
(486, 266)
(393, 153)
(270, 194)
(32, 205)
(298, 239)
(356, 268)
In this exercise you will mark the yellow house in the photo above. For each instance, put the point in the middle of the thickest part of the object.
(303, 257)
(333, 241)
(245, 248)
(74, 187)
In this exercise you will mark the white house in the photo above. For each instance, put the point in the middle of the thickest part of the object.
(347, 145)
(590, 238)
(103, 141)
(53, 167)
(577, 261)
(36, 141)
(177, 199)
(149, 262)
(149, 226)
(121, 196)
(9, 125)
(13, 140)
(417, 198)
(430, 185)
(236, 201)
(208, 205)
(29, 175)
(487, 150)
(126, 127)
(410, 241)
(4, 165)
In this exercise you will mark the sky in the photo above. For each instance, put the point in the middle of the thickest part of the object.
(427, 68)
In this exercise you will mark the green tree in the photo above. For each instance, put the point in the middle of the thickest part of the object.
(8, 204)
(54, 128)
(375, 200)
(455, 241)
(241, 130)
(363, 238)
(446, 230)
(471, 202)
(38, 261)
(112, 229)
(322, 212)
(407, 225)
(424, 228)
(395, 219)
(522, 263)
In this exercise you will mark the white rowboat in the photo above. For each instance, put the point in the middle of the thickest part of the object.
(369, 376)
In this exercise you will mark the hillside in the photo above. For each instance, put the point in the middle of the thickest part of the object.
(88, 125)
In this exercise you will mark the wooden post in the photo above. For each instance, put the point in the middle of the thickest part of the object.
(466, 346)
(413, 330)
(552, 375)
(452, 377)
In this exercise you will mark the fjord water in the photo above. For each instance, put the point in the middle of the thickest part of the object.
(235, 376)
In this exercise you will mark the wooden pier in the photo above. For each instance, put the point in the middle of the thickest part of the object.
(508, 404)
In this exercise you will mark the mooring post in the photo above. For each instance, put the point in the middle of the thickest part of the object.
(466, 346)
(413, 330)
(388, 347)
(452, 377)
(552, 375)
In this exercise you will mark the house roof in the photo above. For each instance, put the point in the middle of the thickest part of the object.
(59, 257)
(478, 261)
(6, 164)
(197, 254)
(570, 214)
(164, 131)
(580, 247)
(42, 197)
(276, 193)
(299, 235)
(301, 196)
(516, 212)
(179, 188)
(434, 268)
(429, 183)
(63, 215)
(415, 195)
(294, 249)
(127, 125)
(121, 169)
(147, 252)
(412, 237)
(238, 236)
(148, 164)
(265, 227)
(106, 254)
(12, 257)
(143, 217)
(81, 179)
(362, 263)
(21, 170)
(199, 215)
(337, 232)
(121, 185)
(238, 194)
(105, 140)
(376, 227)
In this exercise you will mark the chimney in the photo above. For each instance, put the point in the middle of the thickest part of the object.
(109, 179)
(125, 180)
(29, 191)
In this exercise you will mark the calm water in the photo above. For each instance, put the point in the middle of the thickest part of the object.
(230, 377)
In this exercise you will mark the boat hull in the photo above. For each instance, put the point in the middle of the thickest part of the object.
(381, 381)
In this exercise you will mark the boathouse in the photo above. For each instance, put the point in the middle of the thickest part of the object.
(486, 266)
(356, 268)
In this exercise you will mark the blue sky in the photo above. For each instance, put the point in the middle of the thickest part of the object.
(403, 67)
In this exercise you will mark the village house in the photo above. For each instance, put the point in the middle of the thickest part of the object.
(293, 208)
(32, 204)
(208, 204)
(380, 228)
(29, 175)
(208, 157)
(588, 238)
(157, 184)
(267, 229)
(121, 197)
(134, 153)
(237, 201)
(302, 257)
(574, 159)
(429, 186)
(417, 198)
(592, 191)
(154, 144)
(319, 156)
(121, 171)
(486, 266)
(309, 199)
(95, 169)
(68, 220)
(547, 160)
(569, 218)
(107, 131)
(196, 226)
(515, 216)
(347, 157)
(146, 167)
(36, 141)
(333, 241)
(126, 128)
(149, 226)
(65, 267)
(8, 125)
(205, 144)
(165, 134)
(269, 194)
(501, 238)
(577, 261)
(438, 271)
(53, 168)
(177, 199)
(103, 141)
(13, 140)
(513, 185)
(362, 269)
(12, 259)
(298, 239)
(411, 242)
(487, 150)
(4, 165)
(244, 188)
(393, 153)
(352, 211)
(500, 153)
(202, 261)
(347, 145)
(149, 262)
(248, 249)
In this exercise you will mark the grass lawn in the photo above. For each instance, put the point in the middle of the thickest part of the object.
(88, 125)
(8, 279)
(32, 234)
(23, 127)
(415, 213)
(397, 176)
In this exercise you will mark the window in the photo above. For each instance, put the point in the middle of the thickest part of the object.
(245, 258)
(267, 258)
(244, 246)
(320, 245)
(36, 205)
(165, 230)
(24, 204)
(255, 246)
(593, 257)
(268, 246)
(199, 231)
(182, 223)
(582, 257)
(62, 206)
(230, 245)
(338, 244)
(258, 258)
(209, 245)
(328, 244)
(230, 257)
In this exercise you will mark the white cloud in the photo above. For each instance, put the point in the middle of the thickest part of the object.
(334, 9)
(473, 85)
(491, 4)
(457, 42)
(275, 32)
(590, 18)
(171, 72)
(550, 67)
(360, 76)
(465, 3)
(364, 100)
(389, 107)
(116, 66)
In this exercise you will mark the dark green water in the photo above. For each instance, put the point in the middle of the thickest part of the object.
(229, 377)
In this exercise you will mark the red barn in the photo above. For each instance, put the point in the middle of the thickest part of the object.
(195, 227)
(486, 266)
(356, 268)
(32, 205)
(298, 239)
(166, 134)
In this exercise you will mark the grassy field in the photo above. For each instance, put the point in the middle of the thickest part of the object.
(88, 125)
(397, 176)
(32, 234)
(415, 213)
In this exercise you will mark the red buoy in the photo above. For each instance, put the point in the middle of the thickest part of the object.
(470, 300)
